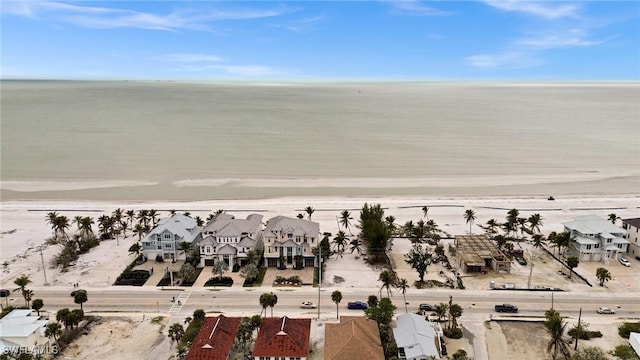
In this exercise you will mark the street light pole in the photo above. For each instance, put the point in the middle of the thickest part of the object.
(44, 271)
(319, 276)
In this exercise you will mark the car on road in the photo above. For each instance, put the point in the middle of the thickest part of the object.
(605, 310)
(624, 262)
(357, 305)
(506, 308)
(5, 292)
(307, 305)
(74, 292)
(426, 307)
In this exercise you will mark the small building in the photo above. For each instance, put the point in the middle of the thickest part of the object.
(476, 253)
(165, 238)
(215, 338)
(281, 338)
(354, 337)
(634, 342)
(417, 339)
(596, 239)
(228, 239)
(287, 239)
(23, 331)
(632, 235)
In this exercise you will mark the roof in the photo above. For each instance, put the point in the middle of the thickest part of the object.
(355, 337)
(416, 336)
(635, 222)
(226, 225)
(287, 225)
(184, 226)
(592, 224)
(215, 338)
(283, 337)
(20, 323)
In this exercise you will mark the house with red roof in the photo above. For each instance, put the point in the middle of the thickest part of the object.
(215, 338)
(283, 338)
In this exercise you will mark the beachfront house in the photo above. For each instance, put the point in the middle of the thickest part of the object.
(354, 337)
(283, 338)
(22, 330)
(288, 242)
(596, 239)
(417, 338)
(228, 239)
(631, 227)
(215, 339)
(166, 237)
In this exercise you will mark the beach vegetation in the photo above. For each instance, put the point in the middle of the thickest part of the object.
(603, 275)
(53, 330)
(613, 218)
(624, 352)
(372, 300)
(309, 210)
(555, 327)
(356, 245)
(572, 263)
(627, 328)
(590, 353)
(419, 259)
(176, 332)
(192, 330)
(37, 305)
(470, 217)
(339, 242)
(345, 220)
(388, 279)
(374, 233)
(402, 285)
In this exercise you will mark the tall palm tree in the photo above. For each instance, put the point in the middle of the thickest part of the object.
(22, 282)
(265, 300)
(388, 280)
(420, 231)
(555, 327)
(441, 310)
(340, 241)
(131, 215)
(345, 219)
(455, 311)
(153, 216)
(356, 245)
(117, 215)
(336, 297)
(390, 221)
(470, 217)
(603, 275)
(28, 295)
(613, 218)
(61, 225)
(51, 220)
(535, 222)
(273, 300)
(403, 285)
(86, 225)
(425, 212)
(491, 227)
(53, 330)
(309, 210)
(176, 332)
(139, 230)
(76, 220)
(80, 298)
(407, 228)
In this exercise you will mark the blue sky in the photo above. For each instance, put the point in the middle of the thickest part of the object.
(322, 40)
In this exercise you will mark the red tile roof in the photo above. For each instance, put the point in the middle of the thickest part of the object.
(355, 337)
(215, 338)
(283, 337)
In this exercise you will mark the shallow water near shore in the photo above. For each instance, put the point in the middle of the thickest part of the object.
(189, 141)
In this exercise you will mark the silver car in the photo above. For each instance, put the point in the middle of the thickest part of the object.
(624, 262)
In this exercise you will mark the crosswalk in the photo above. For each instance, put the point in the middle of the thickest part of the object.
(179, 303)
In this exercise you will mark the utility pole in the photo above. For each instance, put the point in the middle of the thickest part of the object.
(552, 300)
(578, 330)
(44, 271)
(530, 273)
(319, 276)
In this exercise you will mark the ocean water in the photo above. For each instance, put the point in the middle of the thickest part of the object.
(169, 140)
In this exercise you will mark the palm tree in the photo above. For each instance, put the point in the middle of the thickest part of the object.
(555, 327)
(37, 304)
(345, 219)
(403, 285)
(356, 245)
(309, 210)
(441, 310)
(564, 240)
(535, 221)
(139, 230)
(336, 297)
(538, 240)
(53, 330)
(420, 231)
(470, 216)
(603, 275)
(613, 218)
(28, 295)
(265, 299)
(61, 225)
(372, 301)
(22, 282)
(390, 221)
(407, 228)
(492, 225)
(153, 216)
(51, 220)
(425, 212)
(80, 298)
(340, 241)
(176, 332)
(76, 220)
(86, 225)
(387, 279)
(131, 215)
(455, 311)
(220, 267)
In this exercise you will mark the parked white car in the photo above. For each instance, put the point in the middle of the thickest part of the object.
(624, 262)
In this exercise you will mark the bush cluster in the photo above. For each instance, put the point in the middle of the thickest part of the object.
(455, 333)
(216, 281)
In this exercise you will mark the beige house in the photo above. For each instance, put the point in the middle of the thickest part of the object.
(632, 226)
(288, 242)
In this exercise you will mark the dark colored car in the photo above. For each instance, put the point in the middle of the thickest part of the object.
(5, 293)
(506, 308)
(74, 292)
(426, 307)
(357, 305)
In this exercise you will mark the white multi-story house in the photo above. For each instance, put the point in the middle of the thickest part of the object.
(22, 330)
(287, 238)
(632, 226)
(165, 238)
(228, 239)
(596, 239)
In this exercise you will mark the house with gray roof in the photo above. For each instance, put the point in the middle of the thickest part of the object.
(417, 338)
(289, 242)
(632, 229)
(22, 330)
(228, 239)
(165, 238)
(596, 239)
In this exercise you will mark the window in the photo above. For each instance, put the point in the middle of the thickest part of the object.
(208, 249)
(146, 243)
(608, 241)
(159, 247)
(597, 246)
(298, 239)
(167, 236)
(289, 236)
(589, 247)
(167, 245)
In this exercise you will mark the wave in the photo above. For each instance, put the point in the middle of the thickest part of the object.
(37, 186)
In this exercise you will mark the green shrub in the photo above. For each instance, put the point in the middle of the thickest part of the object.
(455, 333)
(257, 281)
(585, 334)
(216, 281)
(627, 328)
